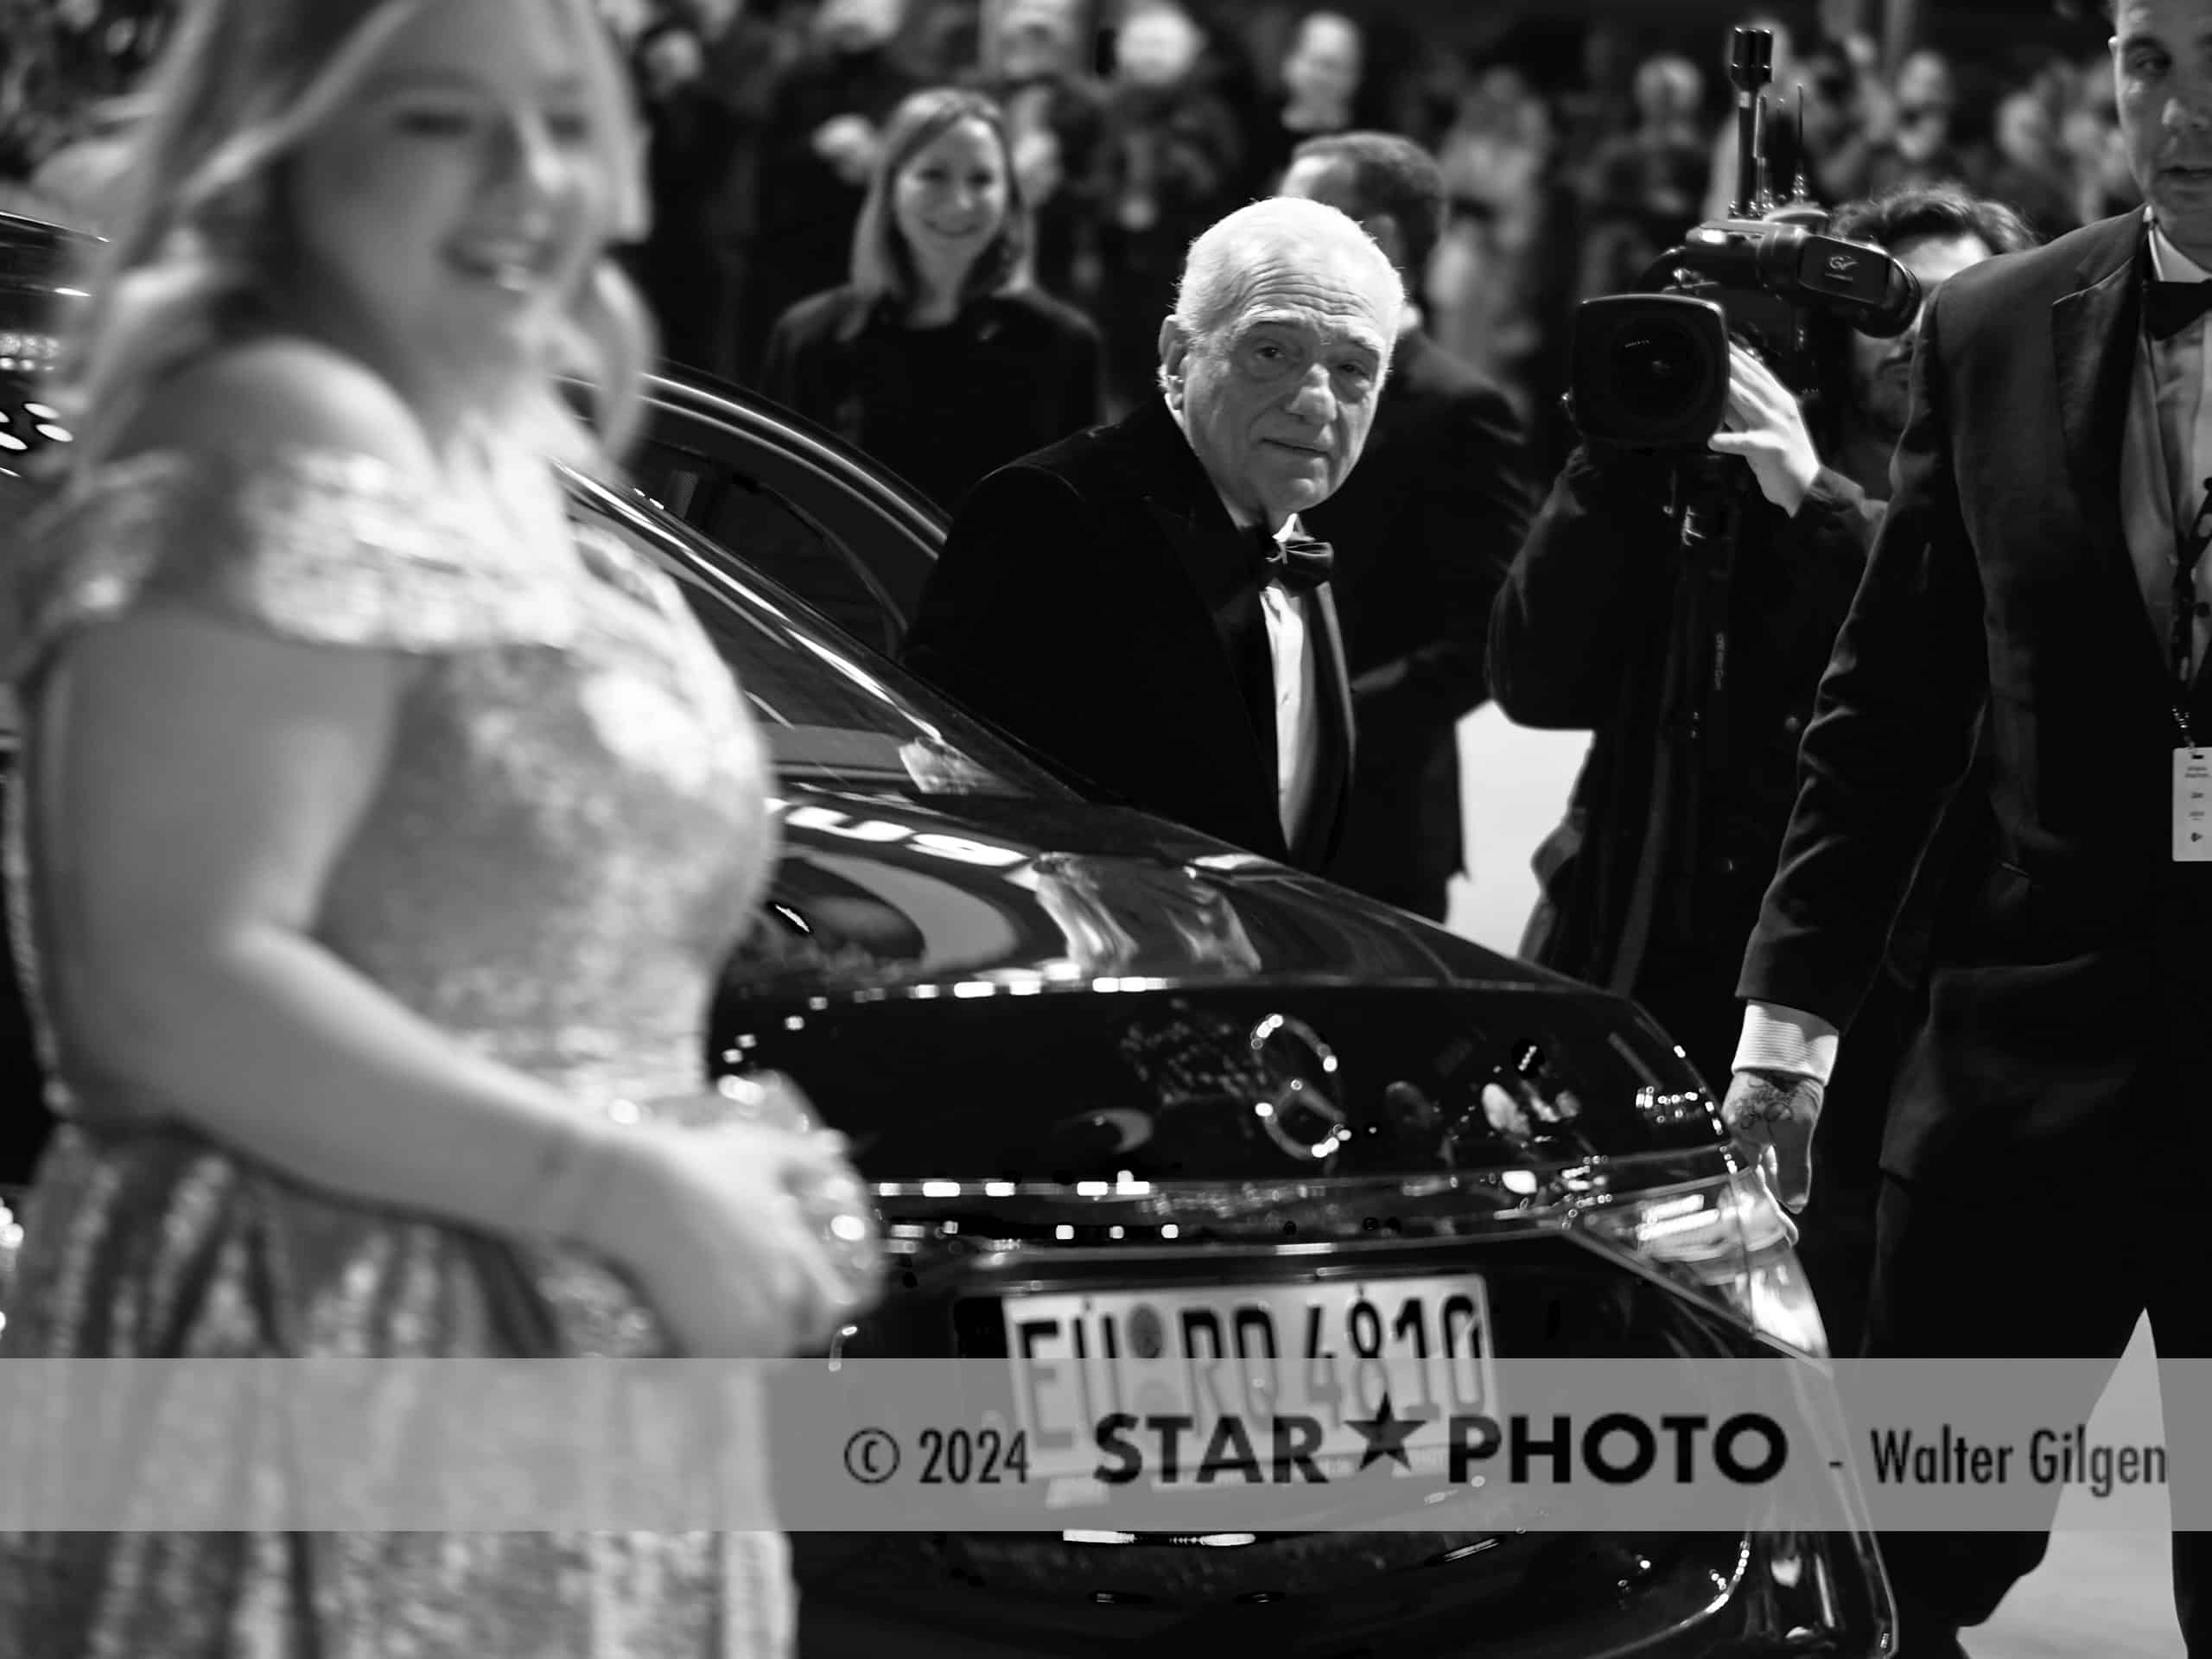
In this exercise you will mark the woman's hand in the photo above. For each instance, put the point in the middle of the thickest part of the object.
(724, 1226)
(848, 143)
(1763, 424)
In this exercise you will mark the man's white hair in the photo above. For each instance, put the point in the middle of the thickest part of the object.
(1219, 264)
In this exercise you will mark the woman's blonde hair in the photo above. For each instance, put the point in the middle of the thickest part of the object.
(197, 229)
(883, 266)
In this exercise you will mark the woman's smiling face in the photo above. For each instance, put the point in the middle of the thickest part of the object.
(448, 210)
(951, 197)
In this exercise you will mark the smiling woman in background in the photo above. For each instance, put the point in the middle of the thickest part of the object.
(941, 358)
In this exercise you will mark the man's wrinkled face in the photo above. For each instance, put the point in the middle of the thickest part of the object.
(1279, 394)
(2162, 64)
(1881, 369)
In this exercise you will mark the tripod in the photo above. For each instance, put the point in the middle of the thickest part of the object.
(1710, 493)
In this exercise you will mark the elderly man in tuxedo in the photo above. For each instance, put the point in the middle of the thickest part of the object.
(1140, 602)
(2046, 1154)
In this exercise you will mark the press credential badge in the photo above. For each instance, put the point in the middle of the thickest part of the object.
(2192, 806)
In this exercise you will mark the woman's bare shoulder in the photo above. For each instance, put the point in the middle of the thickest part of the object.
(280, 486)
(275, 394)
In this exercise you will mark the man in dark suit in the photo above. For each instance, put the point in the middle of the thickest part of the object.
(1424, 531)
(2045, 1156)
(1140, 602)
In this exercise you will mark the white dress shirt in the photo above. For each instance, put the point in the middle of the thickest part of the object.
(1297, 740)
(2166, 458)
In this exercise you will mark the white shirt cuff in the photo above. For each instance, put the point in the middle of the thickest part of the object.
(1776, 1039)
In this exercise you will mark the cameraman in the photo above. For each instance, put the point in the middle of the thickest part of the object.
(1653, 884)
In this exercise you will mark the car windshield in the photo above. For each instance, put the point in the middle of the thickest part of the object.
(836, 714)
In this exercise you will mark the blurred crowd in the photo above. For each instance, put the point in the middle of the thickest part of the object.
(1134, 123)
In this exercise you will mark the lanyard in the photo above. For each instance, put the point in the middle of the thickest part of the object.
(2187, 549)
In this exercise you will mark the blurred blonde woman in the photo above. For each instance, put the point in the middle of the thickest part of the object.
(940, 357)
(380, 831)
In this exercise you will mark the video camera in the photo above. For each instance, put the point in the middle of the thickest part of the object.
(1649, 370)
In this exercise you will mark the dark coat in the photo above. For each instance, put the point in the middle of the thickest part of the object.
(1026, 374)
(1579, 639)
(693, 148)
(798, 233)
(1096, 600)
(2070, 991)
(1424, 530)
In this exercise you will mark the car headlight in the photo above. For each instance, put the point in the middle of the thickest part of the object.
(1726, 1240)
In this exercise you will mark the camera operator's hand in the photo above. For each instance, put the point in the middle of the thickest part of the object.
(1763, 424)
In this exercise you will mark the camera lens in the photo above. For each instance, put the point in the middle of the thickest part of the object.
(1650, 369)
(1656, 370)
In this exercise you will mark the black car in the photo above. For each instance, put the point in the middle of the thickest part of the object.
(35, 261)
(1099, 1067)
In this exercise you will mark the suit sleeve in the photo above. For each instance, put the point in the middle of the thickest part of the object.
(1003, 625)
(1794, 589)
(1479, 503)
(1893, 732)
(1579, 593)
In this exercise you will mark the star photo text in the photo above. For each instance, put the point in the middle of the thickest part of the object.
(1619, 1448)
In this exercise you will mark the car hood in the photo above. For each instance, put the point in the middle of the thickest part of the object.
(889, 891)
(977, 988)
(35, 258)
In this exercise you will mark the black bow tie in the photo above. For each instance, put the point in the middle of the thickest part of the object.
(2169, 308)
(1299, 563)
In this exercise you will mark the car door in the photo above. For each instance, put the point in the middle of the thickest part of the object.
(793, 501)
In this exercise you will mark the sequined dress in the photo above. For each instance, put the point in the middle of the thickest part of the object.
(570, 833)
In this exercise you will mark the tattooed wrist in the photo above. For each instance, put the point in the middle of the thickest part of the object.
(1770, 1097)
(1769, 1102)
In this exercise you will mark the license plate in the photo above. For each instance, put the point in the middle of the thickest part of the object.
(1330, 1352)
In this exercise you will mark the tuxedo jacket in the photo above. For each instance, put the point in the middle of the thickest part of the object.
(1096, 600)
(2069, 1028)
(1424, 530)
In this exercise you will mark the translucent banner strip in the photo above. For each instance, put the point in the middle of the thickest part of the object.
(1099, 1446)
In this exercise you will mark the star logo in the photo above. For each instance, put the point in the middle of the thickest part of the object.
(1385, 1435)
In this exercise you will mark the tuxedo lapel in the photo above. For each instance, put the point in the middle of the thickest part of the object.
(1318, 834)
(1210, 557)
(1214, 559)
(2096, 335)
